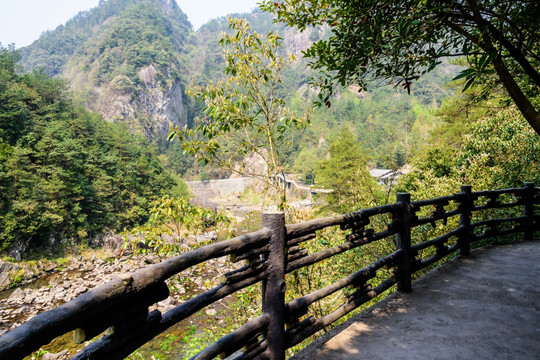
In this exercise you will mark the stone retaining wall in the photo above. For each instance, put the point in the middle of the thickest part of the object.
(208, 189)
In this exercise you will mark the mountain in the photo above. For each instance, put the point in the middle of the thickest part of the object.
(124, 59)
(131, 60)
(389, 123)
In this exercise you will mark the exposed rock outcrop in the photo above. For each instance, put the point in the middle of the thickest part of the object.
(149, 111)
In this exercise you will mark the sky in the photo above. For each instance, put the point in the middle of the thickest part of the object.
(23, 21)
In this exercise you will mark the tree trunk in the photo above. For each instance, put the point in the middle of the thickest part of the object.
(523, 104)
(486, 43)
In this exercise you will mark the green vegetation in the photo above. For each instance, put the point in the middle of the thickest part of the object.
(17, 279)
(389, 125)
(480, 143)
(244, 116)
(171, 221)
(138, 37)
(127, 46)
(132, 30)
(399, 42)
(345, 172)
(500, 151)
(66, 174)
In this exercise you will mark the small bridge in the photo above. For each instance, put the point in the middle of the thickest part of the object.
(415, 236)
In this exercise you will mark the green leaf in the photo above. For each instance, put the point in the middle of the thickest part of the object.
(324, 242)
(469, 83)
(464, 73)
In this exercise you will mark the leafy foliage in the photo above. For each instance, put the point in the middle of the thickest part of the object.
(499, 152)
(171, 220)
(400, 41)
(66, 174)
(345, 173)
(245, 115)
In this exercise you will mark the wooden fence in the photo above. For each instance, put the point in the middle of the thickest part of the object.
(121, 305)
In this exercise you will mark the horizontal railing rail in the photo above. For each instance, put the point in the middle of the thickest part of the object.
(121, 305)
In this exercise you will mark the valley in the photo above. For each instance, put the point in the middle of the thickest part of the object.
(127, 137)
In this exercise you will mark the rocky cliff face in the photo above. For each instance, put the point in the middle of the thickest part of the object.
(148, 109)
(169, 6)
(163, 107)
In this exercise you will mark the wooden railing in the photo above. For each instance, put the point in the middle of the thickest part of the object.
(121, 305)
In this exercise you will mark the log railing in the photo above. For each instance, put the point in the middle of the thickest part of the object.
(120, 307)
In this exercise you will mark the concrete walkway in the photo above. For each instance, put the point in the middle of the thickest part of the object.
(483, 307)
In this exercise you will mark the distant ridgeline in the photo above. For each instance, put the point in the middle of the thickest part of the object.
(66, 174)
(131, 60)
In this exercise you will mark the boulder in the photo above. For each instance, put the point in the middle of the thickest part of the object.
(49, 266)
(114, 243)
(5, 278)
(17, 295)
(29, 299)
(88, 267)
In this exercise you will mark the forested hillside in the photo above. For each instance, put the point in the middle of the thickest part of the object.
(125, 59)
(131, 61)
(389, 123)
(66, 175)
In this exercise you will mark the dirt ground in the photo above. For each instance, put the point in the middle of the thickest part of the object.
(486, 306)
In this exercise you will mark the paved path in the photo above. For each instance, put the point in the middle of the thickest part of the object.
(483, 307)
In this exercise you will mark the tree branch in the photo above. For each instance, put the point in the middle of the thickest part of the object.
(522, 102)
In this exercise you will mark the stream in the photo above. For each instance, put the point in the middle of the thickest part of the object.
(51, 290)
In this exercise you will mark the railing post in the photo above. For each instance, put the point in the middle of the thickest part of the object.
(404, 242)
(273, 297)
(528, 211)
(465, 221)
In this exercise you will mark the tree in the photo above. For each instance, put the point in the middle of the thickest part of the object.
(344, 171)
(399, 41)
(245, 115)
(171, 221)
(306, 162)
(500, 151)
